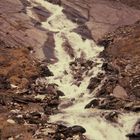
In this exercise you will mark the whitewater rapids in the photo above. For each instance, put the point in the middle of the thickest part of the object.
(96, 127)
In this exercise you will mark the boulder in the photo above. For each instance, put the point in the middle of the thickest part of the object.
(120, 92)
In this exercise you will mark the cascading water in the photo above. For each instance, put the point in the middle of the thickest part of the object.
(76, 97)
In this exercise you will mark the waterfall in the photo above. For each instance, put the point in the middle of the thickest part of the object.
(77, 95)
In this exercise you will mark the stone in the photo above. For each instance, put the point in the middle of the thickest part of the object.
(45, 72)
(112, 116)
(120, 92)
(92, 104)
(84, 32)
(65, 104)
(42, 13)
(70, 131)
(4, 83)
(55, 1)
(74, 15)
(60, 93)
(135, 135)
(94, 82)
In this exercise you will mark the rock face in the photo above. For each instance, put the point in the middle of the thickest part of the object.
(16, 27)
(102, 16)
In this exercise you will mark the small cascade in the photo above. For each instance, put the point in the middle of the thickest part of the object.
(77, 95)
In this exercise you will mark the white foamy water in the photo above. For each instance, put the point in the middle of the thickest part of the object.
(76, 97)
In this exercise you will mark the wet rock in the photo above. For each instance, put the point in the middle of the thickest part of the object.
(135, 135)
(48, 48)
(120, 92)
(77, 129)
(48, 110)
(60, 93)
(111, 103)
(84, 32)
(70, 131)
(135, 108)
(53, 103)
(74, 15)
(104, 42)
(44, 71)
(112, 116)
(42, 13)
(68, 48)
(25, 3)
(94, 82)
(93, 103)
(103, 92)
(109, 69)
(55, 1)
(108, 103)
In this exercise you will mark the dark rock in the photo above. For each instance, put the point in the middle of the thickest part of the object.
(35, 115)
(44, 71)
(53, 103)
(4, 83)
(135, 108)
(60, 93)
(110, 103)
(93, 103)
(48, 48)
(74, 15)
(94, 82)
(25, 3)
(47, 110)
(77, 129)
(23, 100)
(103, 92)
(42, 13)
(112, 116)
(109, 69)
(84, 32)
(70, 131)
(135, 135)
(19, 120)
(68, 48)
(54, 1)
(104, 42)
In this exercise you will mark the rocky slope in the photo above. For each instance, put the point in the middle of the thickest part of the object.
(103, 16)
